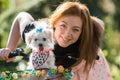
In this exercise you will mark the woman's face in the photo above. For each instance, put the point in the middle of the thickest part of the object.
(68, 30)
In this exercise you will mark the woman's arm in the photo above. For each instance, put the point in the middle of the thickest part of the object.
(17, 28)
(18, 25)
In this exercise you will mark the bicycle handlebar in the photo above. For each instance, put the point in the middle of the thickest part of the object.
(19, 52)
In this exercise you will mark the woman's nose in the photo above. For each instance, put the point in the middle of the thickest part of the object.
(68, 33)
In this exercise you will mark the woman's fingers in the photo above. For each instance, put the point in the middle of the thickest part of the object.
(4, 53)
(10, 59)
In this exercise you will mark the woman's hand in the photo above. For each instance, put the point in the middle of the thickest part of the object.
(4, 53)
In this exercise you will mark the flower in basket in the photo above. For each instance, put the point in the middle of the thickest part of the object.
(61, 69)
(15, 76)
(50, 73)
(38, 73)
(43, 73)
(3, 74)
(7, 75)
(26, 75)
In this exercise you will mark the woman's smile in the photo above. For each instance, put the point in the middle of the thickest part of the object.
(65, 40)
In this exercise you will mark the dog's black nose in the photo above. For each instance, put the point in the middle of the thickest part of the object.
(40, 45)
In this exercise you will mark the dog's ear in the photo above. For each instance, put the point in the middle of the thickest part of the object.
(49, 32)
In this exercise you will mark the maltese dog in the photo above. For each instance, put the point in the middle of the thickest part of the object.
(40, 40)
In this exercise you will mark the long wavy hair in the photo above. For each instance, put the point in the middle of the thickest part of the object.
(91, 30)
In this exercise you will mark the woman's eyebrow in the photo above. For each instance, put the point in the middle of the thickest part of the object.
(64, 22)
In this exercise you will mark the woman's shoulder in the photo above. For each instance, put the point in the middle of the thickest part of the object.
(100, 69)
(101, 59)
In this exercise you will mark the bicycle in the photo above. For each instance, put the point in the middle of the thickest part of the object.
(42, 74)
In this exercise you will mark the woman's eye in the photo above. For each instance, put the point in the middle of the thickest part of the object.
(76, 30)
(44, 39)
(63, 26)
(36, 39)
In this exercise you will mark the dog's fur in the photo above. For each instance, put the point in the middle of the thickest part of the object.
(41, 40)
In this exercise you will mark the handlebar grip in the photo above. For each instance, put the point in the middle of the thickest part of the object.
(19, 52)
(13, 54)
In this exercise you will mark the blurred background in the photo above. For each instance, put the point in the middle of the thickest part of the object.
(107, 10)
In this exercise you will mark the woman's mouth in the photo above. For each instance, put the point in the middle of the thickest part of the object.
(66, 40)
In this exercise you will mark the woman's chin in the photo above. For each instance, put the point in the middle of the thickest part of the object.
(63, 45)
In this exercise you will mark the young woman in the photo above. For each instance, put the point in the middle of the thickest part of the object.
(77, 35)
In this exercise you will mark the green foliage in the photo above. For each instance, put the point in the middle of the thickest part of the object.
(112, 52)
(111, 46)
(117, 14)
(4, 4)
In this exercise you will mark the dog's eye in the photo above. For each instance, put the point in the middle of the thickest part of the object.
(44, 39)
(36, 39)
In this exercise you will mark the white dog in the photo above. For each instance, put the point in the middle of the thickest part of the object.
(40, 40)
